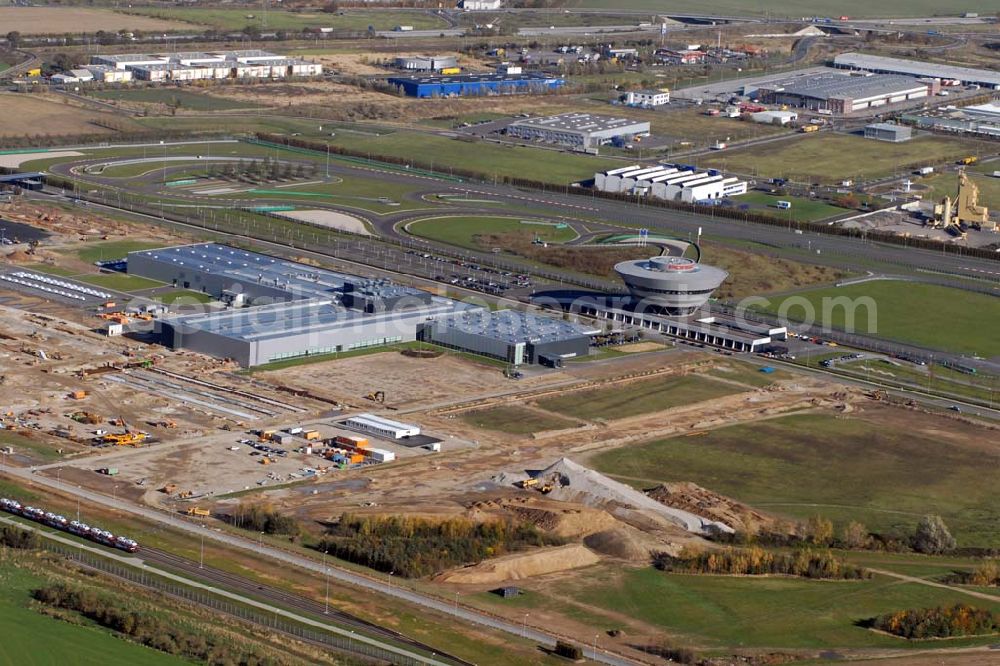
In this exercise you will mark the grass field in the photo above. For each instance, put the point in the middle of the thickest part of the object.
(923, 314)
(183, 99)
(463, 231)
(829, 158)
(885, 470)
(803, 209)
(34, 115)
(237, 19)
(183, 297)
(717, 611)
(75, 20)
(32, 639)
(515, 420)
(112, 250)
(853, 8)
(488, 158)
(946, 184)
(641, 397)
(120, 282)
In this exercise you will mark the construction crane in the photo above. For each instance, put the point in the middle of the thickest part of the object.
(133, 438)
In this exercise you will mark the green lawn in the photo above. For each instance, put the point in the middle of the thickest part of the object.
(515, 420)
(865, 469)
(852, 8)
(237, 19)
(112, 250)
(32, 639)
(487, 158)
(640, 397)
(120, 282)
(462, 231)
(803, 209)
(50, 270)
(946, 184)
(922, 314)
(152, 167)
(183, 297)
(718, 611)
(183, 99)
(828, 158)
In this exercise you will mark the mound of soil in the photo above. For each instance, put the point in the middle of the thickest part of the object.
(703, 502)
(624, 544)
(421, 353)
(522, 565)
(18, 256)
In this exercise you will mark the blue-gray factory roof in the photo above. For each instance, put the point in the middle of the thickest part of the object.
(300, 281)
(514, 326)
(474, 78)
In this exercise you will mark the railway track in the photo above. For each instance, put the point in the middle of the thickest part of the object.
(288, 600)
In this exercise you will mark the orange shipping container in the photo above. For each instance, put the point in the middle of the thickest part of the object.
(357, 458)
(353, 440)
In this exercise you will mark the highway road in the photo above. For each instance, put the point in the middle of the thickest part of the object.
(367, 583)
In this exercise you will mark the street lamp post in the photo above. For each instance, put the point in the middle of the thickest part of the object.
(524, 626)
(326, 598)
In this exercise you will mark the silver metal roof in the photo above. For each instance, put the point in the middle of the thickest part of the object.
(581, 122)
(873, 63)
(514, 326)
(837, 85)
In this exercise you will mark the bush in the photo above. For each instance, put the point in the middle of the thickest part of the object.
(940, 622)
(15, 537)
(261, 517)
(756, 561)
(932, 536)
(414, 547)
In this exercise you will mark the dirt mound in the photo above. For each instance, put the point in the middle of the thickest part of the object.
(624, 543)
(18, 257)
(421, 353)
(571, 482)
(552, 517)
(703, 502)
(522, 565)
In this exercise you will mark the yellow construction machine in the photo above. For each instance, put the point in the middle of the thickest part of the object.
(133, 438)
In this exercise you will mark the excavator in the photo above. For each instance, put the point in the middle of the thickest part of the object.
(133, 438)
(377, 396)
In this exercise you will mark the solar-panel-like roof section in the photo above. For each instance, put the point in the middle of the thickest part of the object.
(299, 281)
(514, 326)
(856, 87)
(875, 63)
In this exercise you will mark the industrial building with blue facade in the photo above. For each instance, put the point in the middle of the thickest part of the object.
(476, 84)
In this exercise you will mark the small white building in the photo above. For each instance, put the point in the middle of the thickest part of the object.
(106, 74)
(508, 68)
(774, 117)
(382, 427)
(647, 98)
(481, 5)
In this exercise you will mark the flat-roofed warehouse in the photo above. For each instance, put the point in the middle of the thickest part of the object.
(844, 94)
(382, 426)
(476, 84)
(580, 131)
(294, 310)
(885, 65)
(511, 335)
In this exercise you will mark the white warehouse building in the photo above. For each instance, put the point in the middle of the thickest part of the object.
(670, 182)
(382, 427)
(647, 98)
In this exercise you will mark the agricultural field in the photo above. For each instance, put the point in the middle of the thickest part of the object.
(830, 158)
(173, 97)
(516, 420)
(922, 314)
(465, 231)
(773, 8)
(237, 19)
(641, 397)
(37, 115)
(63, 20)
(885, 468)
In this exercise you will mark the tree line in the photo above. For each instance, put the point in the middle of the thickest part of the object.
(941, 622)
(261, 517)
(416, 547)
(755, 561)
(152, 630)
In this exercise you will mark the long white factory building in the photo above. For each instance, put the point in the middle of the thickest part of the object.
(196, 66)
(670, 182)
